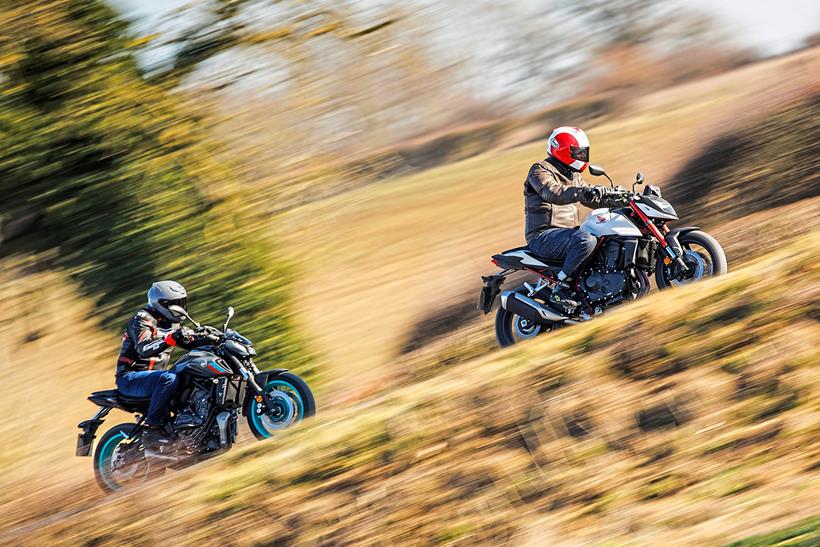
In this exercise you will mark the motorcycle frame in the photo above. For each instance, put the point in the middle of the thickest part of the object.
(670, 249)
(244, 396)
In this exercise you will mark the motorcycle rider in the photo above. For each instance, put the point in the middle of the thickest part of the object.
(551, 189)
(146, 349)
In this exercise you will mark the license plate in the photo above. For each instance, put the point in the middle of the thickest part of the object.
(492, 285)
(83, 446)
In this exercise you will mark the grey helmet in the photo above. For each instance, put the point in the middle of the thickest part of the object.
(167, 293)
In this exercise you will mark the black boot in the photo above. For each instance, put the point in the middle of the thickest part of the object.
(563, 298)
(154, 440)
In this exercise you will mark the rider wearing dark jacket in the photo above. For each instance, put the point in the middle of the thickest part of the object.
(146, 348)
(551, 189)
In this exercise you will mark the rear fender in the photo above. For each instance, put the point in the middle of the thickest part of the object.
(85, 439)
(491, 288)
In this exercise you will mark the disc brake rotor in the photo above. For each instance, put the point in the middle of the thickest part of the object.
(281, 414)
(697, 267)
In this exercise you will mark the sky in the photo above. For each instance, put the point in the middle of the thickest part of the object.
(770, 27)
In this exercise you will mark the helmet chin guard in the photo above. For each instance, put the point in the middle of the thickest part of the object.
(164, 294)
(570, 146)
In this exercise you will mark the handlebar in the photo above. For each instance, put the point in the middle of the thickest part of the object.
(618, 193)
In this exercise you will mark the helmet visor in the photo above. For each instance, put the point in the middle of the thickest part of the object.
(181, 302)
(579, 153)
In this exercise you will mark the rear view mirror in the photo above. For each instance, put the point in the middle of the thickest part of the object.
(180, 311)
(228, 319)
(596, 171)
(639, 178)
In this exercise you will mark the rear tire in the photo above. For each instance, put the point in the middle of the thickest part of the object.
(505, 331)
(717, 264)
(111, 480)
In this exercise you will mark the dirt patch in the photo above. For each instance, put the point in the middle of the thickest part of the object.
(440, 322)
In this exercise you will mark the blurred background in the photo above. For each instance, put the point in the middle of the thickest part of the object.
(340, 172)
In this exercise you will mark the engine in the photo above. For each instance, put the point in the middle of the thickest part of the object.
(607, 277)
(601, 285)
(196, 411)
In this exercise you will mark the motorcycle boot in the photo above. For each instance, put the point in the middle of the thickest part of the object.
(563, 297)
(155, 441)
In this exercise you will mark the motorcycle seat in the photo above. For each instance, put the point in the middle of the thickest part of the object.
(114, 396)
(556, 262)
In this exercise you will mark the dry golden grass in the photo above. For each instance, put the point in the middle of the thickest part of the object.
(699, 428)
(470, 448)
(374, 261)
(52, 356)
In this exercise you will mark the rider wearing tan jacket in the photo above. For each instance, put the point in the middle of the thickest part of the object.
(551, 190)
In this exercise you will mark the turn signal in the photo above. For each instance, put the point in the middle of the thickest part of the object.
(667, 260)
(258, 398)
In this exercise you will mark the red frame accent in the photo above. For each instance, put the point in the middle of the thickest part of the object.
(542, 275)
(215, 370)
(649, 224)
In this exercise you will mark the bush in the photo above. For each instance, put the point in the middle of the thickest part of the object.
(122, 176)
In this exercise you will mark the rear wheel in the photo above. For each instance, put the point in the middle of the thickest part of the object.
(703, 255)
(119, 460)
(511, 328)
(292, 402)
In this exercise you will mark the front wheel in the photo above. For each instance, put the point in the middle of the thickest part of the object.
(702, 254)
(119, 460)
(292, 401)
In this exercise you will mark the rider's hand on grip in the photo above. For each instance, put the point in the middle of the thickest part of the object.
(593, 193)
(183, 336)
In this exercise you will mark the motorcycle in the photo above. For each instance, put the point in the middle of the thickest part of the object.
(218, 381)
(633, 242)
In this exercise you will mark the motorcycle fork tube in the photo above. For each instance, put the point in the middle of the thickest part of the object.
(249, 378)
(667, 248)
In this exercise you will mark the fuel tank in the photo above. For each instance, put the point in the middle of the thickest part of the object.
(202, 363)
(603, 222)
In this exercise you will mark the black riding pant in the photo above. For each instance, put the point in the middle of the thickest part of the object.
(571, 244)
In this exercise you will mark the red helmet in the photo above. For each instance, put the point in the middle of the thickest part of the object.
(570, 146)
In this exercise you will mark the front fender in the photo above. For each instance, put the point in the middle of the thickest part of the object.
(683, 229)
(261, 379)
(672, 237)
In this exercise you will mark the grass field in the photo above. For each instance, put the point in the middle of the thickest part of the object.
(376, 260)
(697, 429)
(437, 445)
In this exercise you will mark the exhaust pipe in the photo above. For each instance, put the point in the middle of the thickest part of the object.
(528, 308)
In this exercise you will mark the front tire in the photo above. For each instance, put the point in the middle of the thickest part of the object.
(702, 253)
(294, 402)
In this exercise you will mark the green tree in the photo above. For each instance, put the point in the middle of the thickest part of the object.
(123, 178)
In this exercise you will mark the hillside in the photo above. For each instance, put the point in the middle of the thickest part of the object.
(377, 261)
(688, 417)
(700, 427)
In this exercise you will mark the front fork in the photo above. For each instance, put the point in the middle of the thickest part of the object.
(250, 377)
(668, 240)
(674, 251)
